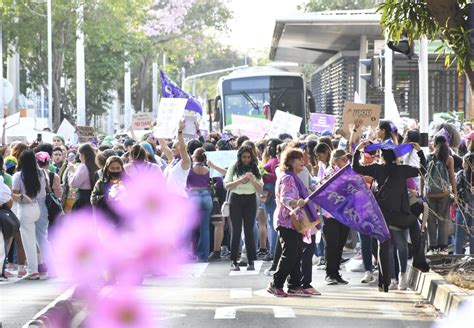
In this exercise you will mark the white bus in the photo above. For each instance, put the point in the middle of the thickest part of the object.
(243, 92)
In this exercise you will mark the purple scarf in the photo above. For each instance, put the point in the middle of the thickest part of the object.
(303, 193)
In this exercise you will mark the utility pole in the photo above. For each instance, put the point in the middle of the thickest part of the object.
(80, 69)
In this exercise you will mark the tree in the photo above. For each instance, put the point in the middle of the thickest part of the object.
(446, 20)
(323, 5)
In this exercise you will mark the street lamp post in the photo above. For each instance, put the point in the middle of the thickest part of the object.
(50, 60)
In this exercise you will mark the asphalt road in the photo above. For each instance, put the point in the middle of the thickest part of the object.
(208, 295)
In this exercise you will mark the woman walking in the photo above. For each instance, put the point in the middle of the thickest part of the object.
(83, 178)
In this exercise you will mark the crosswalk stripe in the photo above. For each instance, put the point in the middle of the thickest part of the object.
(241, 293)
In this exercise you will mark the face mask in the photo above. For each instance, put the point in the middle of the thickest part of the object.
(114, 175)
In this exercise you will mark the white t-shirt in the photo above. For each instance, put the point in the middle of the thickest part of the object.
(18, 184)
(177, 177)
(5, 192)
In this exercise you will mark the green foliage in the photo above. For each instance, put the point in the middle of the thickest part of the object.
(417, 20)
(323, 5)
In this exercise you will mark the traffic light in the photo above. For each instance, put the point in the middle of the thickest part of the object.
(403, 46)
(375, 67)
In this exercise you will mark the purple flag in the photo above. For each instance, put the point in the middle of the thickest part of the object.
(321, 122)
(171, 90)
(399, 150)
(347, 198)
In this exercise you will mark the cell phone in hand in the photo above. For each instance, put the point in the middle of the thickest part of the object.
(39, 137)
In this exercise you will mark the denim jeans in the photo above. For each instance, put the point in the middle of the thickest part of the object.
(438, 228)
(400, 241)
(460, 234)
(203, 199)
(270, 207)
(366, 248)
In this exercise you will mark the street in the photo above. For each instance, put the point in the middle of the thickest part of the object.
(207, 295)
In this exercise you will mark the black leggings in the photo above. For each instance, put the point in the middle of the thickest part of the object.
(243, 209)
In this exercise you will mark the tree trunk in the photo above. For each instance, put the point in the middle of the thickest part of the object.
(141, 84)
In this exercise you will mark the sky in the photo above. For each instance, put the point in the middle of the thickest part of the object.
(254, 21)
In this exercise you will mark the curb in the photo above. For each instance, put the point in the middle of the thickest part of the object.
(439, 292)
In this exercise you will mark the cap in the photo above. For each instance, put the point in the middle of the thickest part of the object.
(266, 103)
(42, 156)
(326, 133)
(128, 142)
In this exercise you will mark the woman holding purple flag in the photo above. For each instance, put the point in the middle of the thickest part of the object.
(392, 196)
(290, 193)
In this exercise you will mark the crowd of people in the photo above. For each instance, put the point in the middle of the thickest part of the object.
(250, 210)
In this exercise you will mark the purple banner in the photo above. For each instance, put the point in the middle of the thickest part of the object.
(321, 122)
(171, 90)
(347, 198)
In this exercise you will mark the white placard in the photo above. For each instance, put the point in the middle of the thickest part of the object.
(142, 120)
(253, 127)
(284, 122)
(222, 158)
(190, 126)
(170, 113)
(66, 130)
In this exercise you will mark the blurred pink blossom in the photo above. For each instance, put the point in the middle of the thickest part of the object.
(83, 248)
(120, 307)
(166, 17)
(154, 205)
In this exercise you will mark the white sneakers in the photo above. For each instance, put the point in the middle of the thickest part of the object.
(402, 281)
(368, 278)
(393, 285)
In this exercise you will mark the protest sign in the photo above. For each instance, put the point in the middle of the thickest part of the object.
(11, 139)
(363, 115)
(349, 200)
(170, 112)
(222, 158)
(284, 122)
(189, 126)
(252, 127)
(85, 133)
(142, 120)
(66, 130)
(321, 122)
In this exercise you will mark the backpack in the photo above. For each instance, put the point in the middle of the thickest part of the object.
(437, 182)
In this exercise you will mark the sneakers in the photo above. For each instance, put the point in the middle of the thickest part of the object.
(341, 281)
(269, 271)
(402, 281)
(368, 277)
(225, 252)
(393, 284)
(33, 276)
(278, 292)
(250, 267)
(214, 256)
(298, 292)
(312, 291)
(234, 266)
(268, 257)
(344, 260)
(262, 253)
(331, 280)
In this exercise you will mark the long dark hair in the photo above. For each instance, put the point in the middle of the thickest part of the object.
(441, 151)
(30, 173)
(89, 160)
(109, 161)
(469, 168)
(241, 169)
(2, 170)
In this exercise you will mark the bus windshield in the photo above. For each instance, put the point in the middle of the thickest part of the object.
(246, 96)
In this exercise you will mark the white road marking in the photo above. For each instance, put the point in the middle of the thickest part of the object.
(263, 293)
(170, 315)
(388, 310)
(230, 312)
(241, 293)
(243, 270)
(64, 296)
(193, 270)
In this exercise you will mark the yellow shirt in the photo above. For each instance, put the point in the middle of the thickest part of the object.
(242, 188)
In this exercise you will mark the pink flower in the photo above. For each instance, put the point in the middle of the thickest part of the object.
(83, 248)
(120, 308)
(153, 204)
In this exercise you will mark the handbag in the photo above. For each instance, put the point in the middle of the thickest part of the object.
(53, 203)
(225, 209)
(9, 223)
(216, 214)
(304, 224)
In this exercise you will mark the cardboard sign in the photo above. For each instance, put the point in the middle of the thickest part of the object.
(85, 133)
(362, 114)
(142, 120)
(22, 139)
(252, 127)
(284, 122)
(66, 130)
(222, 158)
(170, 112)
(321, 122)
